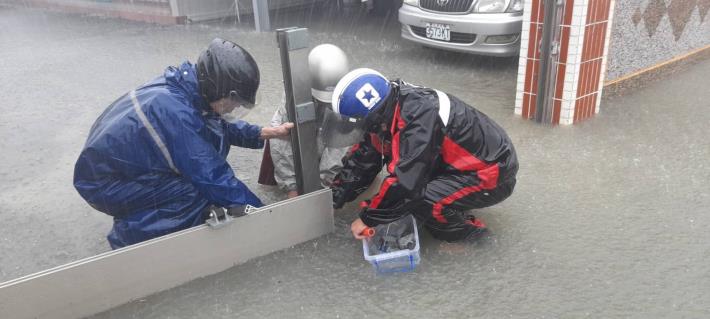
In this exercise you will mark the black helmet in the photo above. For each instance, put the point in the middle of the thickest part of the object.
(225, 67)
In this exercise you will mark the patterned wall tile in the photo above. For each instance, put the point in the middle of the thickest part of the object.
(653, 14)
(703, 7)
(678, 11)
(636, 18)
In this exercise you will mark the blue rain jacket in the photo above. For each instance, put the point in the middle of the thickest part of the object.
(158, 178)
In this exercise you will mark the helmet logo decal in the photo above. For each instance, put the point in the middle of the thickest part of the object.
(368, 96)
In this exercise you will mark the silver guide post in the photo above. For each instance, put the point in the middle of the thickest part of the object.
(549, 55)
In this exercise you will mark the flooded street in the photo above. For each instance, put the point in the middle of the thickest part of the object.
(609, 217)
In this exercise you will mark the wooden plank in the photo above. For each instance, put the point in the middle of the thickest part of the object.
(102, 282)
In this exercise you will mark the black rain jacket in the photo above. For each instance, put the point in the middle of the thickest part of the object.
(424, 140)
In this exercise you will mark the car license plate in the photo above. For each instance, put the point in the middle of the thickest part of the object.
(438, 31)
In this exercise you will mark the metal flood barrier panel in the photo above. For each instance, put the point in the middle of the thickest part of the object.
(102, 282)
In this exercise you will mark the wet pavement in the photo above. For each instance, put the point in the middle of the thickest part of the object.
(609, 217)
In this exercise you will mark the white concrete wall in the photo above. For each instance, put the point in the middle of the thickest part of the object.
(200, 10)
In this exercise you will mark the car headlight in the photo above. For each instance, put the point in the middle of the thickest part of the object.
(491, 6)
(515, 6)
(412, 2)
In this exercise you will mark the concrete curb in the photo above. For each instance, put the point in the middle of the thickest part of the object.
(145, 13)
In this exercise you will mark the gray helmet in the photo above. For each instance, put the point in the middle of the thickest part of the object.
(327, 64)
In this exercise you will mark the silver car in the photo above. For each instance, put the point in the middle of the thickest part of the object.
(485, 27)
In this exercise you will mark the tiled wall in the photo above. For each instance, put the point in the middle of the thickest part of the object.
(529, 64)
(580, 63)
(592, 59)
(649, 32)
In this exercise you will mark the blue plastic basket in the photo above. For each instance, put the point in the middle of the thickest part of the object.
(404, 260)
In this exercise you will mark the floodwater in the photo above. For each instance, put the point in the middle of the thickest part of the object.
(609, 217)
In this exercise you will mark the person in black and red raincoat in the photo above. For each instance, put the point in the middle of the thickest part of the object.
(443, 157)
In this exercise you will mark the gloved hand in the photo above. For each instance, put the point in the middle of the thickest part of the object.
(338, 198)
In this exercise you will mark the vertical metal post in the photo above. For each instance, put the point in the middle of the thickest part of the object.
(175, 8)
(261, 15)
(549, 54)
(293, 46)
(236, 11)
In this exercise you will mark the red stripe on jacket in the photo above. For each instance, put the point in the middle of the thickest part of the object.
(389, 181)
(354, 149)
(397, 125)
(380, 146)
(459, 158)
(488, 177)
(383, 191)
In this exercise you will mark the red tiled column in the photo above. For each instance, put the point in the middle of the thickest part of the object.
(529, 64)
(580, 64)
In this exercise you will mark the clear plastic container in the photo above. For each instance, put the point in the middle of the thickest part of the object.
(383, 257)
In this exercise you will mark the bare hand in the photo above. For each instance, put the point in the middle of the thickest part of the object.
(357, 227)
(282, 130)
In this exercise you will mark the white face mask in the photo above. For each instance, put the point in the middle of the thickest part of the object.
(237, 113)
(235, 108)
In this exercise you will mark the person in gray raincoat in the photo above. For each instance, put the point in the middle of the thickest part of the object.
(327, 64)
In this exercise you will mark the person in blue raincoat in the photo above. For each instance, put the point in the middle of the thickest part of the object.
(155, 159)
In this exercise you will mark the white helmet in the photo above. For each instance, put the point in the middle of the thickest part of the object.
(327, 64)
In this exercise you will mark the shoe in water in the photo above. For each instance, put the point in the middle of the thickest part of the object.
(479, 227)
